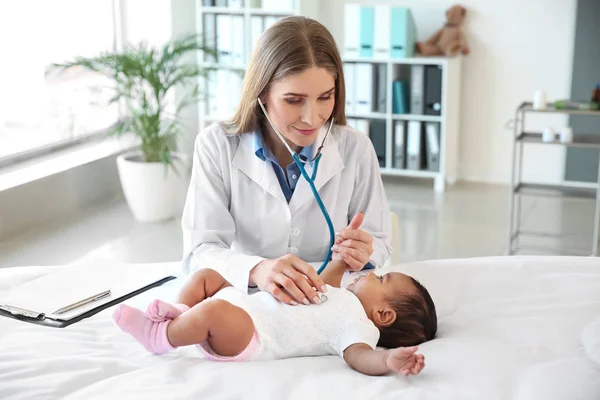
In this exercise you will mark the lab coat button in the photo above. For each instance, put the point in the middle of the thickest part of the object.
(295, 232)
(293, 250)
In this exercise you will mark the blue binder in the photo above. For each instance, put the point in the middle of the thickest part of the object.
(404, 33)
(367, 31)
(400, 97)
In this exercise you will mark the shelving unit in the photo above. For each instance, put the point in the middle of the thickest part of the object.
(518, 188)
(448, 120)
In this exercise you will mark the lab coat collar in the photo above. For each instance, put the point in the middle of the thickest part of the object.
(261, 172)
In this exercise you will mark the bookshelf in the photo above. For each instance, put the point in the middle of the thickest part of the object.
(448, 119)
(247, 10)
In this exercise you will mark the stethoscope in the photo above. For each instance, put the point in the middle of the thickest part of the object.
(311, 181)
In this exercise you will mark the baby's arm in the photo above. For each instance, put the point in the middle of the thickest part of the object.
(201, 284)
(403, 360)
(333, 273)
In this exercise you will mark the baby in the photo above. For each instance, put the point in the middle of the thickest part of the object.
(392, 311)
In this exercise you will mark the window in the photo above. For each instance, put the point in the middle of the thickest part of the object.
(41, 109)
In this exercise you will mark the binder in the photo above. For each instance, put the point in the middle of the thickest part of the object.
(221, 3)
(433, 90)
(399, 148)
(351, 30)
(221, 99)
(235, 91)
(270, 20)
(377, 135)
(364, 126)
(432, 130)
(224, 39)
(210, 35)
(350, 84)
(364, 88)
(278, 5)
(367, 27)
(400, 97)
(36, 301)
(380, 95)
(381, 35)
(208, 3)
(414, 146)
(235, 4)
(257, 27)
(403, 33)
(417, 78)
(238, 40)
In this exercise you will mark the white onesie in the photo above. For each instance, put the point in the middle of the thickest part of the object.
(286, 331)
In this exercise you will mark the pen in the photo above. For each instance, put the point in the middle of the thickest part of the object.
(83, 302)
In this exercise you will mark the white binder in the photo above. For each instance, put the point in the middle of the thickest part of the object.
(364, 88)
(399, 149)
(235, 4)
(235, 91)
(417, 89)
(363, 126)
(350, 80)
(414, 146)
(351, 30)
(382, 34)
(238, 41)
(224, 39)
(210, 34)
(257, 26)
(433, 146)
(222, 94)
(270, 20)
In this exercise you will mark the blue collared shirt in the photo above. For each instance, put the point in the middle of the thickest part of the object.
(293, 171)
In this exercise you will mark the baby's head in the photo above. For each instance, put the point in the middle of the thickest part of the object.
(399, 306)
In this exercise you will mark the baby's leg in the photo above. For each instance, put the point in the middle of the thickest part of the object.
(228, 329)
(200, 285)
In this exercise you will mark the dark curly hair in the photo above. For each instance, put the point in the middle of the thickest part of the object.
(416, 319)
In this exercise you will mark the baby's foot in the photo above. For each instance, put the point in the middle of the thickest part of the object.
(159, 310)
(152, 335)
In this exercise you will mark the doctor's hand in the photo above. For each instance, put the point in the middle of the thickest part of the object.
(353, 246)
(289, 279)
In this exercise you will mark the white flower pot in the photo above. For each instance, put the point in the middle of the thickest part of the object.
(154, 191)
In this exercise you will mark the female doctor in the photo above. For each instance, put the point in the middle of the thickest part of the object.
(249, 213)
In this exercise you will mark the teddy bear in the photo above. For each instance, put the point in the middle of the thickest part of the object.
(450, 40)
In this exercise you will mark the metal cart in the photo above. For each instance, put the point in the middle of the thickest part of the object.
(518, 188)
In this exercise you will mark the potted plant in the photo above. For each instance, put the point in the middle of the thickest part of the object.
(144, 82)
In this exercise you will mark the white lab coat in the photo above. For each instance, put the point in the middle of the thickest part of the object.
(236, 214)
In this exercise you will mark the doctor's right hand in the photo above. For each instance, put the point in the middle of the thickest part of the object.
(289, 279)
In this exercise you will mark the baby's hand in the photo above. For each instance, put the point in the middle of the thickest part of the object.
(405, 360)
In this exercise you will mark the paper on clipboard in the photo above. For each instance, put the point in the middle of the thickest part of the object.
(71, 284)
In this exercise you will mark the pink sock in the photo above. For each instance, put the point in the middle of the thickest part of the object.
(159, 310)
(152, 335)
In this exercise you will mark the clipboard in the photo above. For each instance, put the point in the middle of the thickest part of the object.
(125, 282)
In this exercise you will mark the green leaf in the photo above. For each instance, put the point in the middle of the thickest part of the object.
(144, 77)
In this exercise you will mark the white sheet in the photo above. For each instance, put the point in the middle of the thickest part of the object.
(509, 328)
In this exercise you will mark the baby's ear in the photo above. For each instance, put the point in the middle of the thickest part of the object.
(384, 317)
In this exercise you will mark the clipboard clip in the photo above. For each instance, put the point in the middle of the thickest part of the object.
(18, 311)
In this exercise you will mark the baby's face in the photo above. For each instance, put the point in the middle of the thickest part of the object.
(372, 289)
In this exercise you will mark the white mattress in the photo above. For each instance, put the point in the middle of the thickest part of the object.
(509, 328)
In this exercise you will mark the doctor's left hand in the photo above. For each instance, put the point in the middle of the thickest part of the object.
(354, 246)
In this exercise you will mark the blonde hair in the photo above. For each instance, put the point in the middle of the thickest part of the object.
(289, 46)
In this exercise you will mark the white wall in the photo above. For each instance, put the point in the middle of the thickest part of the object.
(517, 46)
